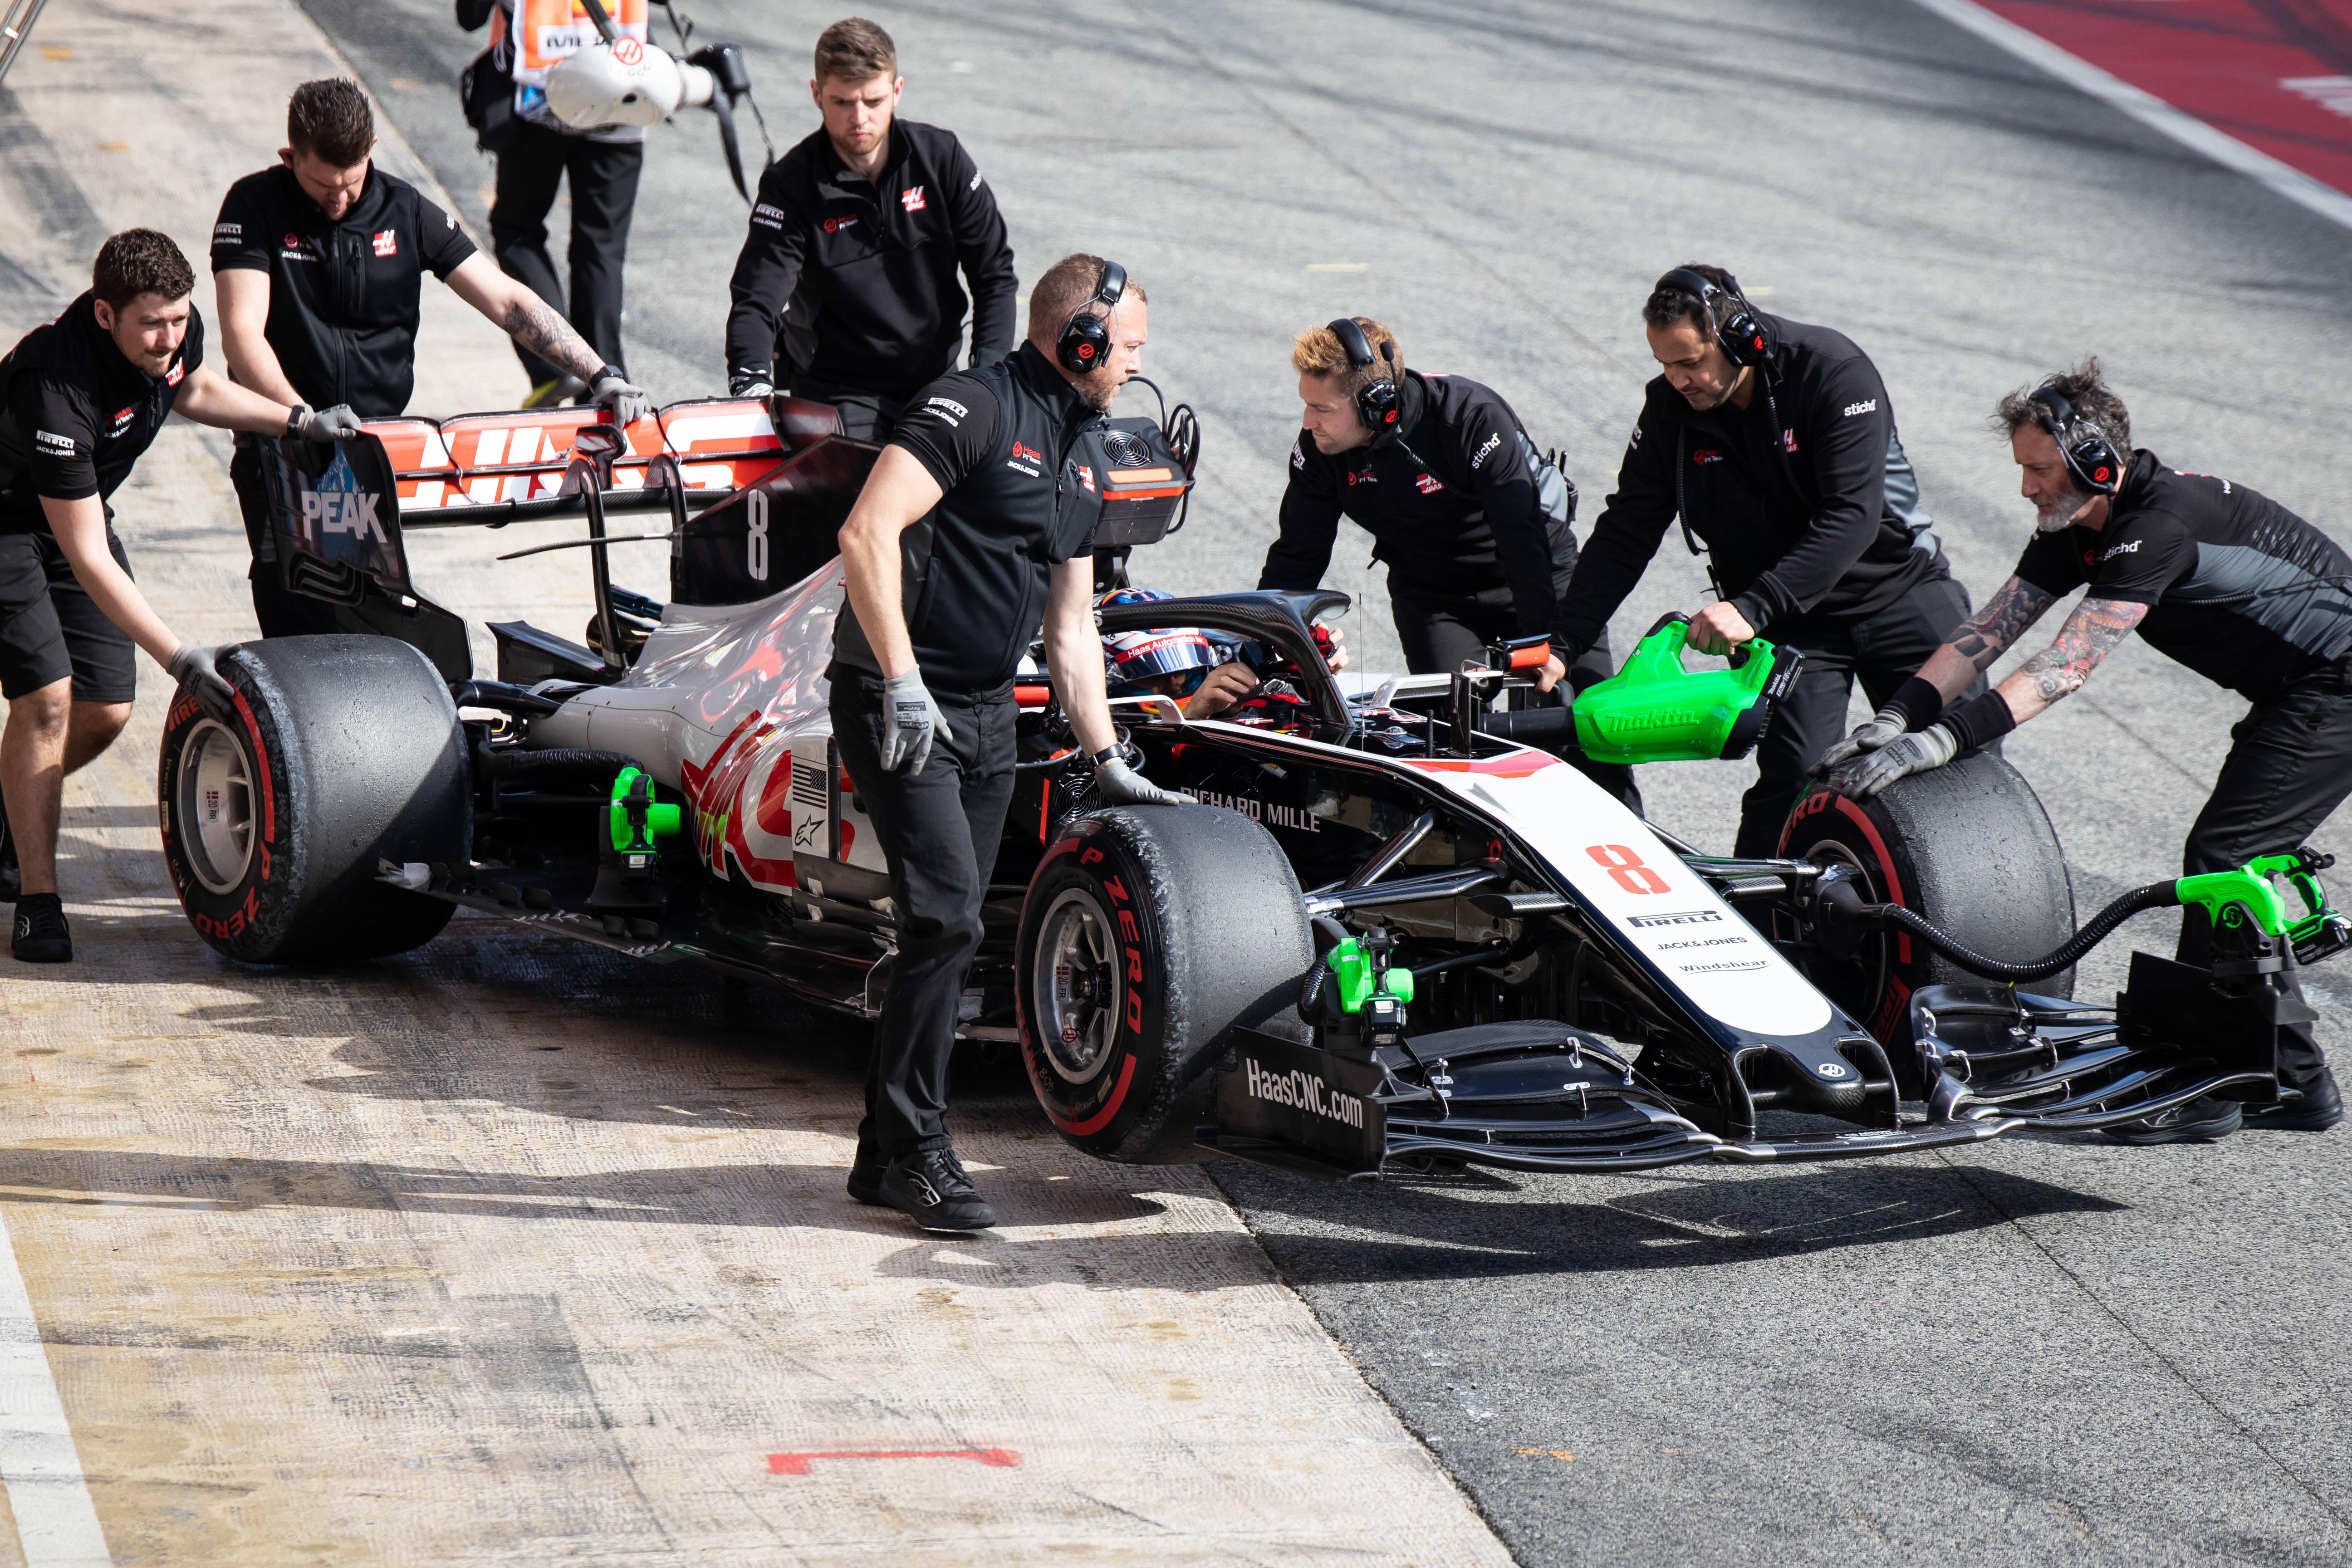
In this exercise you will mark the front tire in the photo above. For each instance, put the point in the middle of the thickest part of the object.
(1148, 936)
(1968, 848)
(345, 751)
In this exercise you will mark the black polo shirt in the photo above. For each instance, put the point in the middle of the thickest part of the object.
(1009, 444)
(343, 294)
(79, 414)
(876, 261)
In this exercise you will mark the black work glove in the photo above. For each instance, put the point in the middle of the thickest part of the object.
(197, 673)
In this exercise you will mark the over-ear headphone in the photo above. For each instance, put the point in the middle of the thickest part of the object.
(2090, 456)
(1377, 404)
(1735, 325)
(1085, 343)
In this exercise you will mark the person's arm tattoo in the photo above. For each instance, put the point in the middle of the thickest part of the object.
(1986, 635)
(2090, 634)
(537, 327)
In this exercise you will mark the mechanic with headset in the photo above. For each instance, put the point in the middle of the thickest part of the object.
(319, 263)
(1474, 526)
(2225, 580)
(537, 152)
(973, 529)
(1775, 444)
(860, 230)
(84, 395)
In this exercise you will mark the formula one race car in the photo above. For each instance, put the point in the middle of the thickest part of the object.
(1396, 931)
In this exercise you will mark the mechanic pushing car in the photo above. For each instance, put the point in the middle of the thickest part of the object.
(1474, 526)
(2214, 575)
(846, 290)
(1775, 443)
(85, 396)
(319, 265)
(537, 152)
(972, 530)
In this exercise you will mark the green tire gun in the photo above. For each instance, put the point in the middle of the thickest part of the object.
(1654, 710)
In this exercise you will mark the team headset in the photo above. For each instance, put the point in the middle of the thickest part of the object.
(1740, 335)
(1085, 343)
(1377, 402)
(2090, 456)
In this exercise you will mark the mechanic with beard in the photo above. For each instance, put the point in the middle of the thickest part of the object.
(2212, 575)
(853, 247)
(319, 265)
(973, 529)
(81, 398)
(1775, 443)
(1475, 527)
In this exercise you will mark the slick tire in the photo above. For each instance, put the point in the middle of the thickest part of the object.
(346, 751)
(1148, 936)
(1967, 846)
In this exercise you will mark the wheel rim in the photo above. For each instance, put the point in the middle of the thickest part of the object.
(215, 809)
(1858, 983)
(1078, 987)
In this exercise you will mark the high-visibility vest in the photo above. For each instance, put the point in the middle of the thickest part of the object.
(544, 31)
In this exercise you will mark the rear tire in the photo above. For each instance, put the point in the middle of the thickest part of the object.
(1148, 936)
(1968, 848)
(346, 751)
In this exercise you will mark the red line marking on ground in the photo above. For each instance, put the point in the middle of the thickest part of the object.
(2227, 62)
(798, 1464)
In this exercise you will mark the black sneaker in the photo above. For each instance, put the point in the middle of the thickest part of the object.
(932, 1189)
(41, 935)
(2200, 1122)
(865, 1184)
(2314, 1108)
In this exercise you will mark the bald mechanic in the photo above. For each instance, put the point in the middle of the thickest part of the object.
(84, 396)
(317, 263)
(973, 529)
(2212, 575)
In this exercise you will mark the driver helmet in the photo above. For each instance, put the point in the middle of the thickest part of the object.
(1132, 659)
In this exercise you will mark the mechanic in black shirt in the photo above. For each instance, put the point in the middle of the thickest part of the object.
(1474, 526)
(1775, 443)
(319, 265)
(860, 229)
(2221, 579)
(971, 531)
(84, 395)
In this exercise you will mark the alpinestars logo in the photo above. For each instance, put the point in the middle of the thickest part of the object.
(1303, 1090)
(911, 198)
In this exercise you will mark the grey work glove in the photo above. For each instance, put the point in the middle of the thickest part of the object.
(1867, 736)
(751, 389)
(1119, 784)
(612, 390)
(1915, 753)
(195, 671)
(910, 722)
(322, 424)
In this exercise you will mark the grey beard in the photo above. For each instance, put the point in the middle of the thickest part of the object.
(2062, 516)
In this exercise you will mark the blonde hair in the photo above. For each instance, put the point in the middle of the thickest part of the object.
(1318, 351)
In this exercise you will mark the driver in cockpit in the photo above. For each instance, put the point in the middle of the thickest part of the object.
(1210, 675)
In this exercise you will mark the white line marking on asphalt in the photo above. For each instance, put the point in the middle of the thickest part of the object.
(56, 1524)
(2148, 109)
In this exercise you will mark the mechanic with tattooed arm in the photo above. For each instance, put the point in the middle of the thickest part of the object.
(318, 263)
(1774, 442)
(974, 528)
(81, 397)
(2221, 579)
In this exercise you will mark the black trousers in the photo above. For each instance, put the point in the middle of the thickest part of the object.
(277, 612)
(603, 197)
(865, 415)
(1881, 652)
(1442, 633)
(2290, 765)
(938, 830)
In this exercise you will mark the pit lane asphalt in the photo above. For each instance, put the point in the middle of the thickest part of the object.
(2038, 1351)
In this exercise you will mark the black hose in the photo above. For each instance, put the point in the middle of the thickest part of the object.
(507, 760)
(2154, 896)
(1543, 726)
